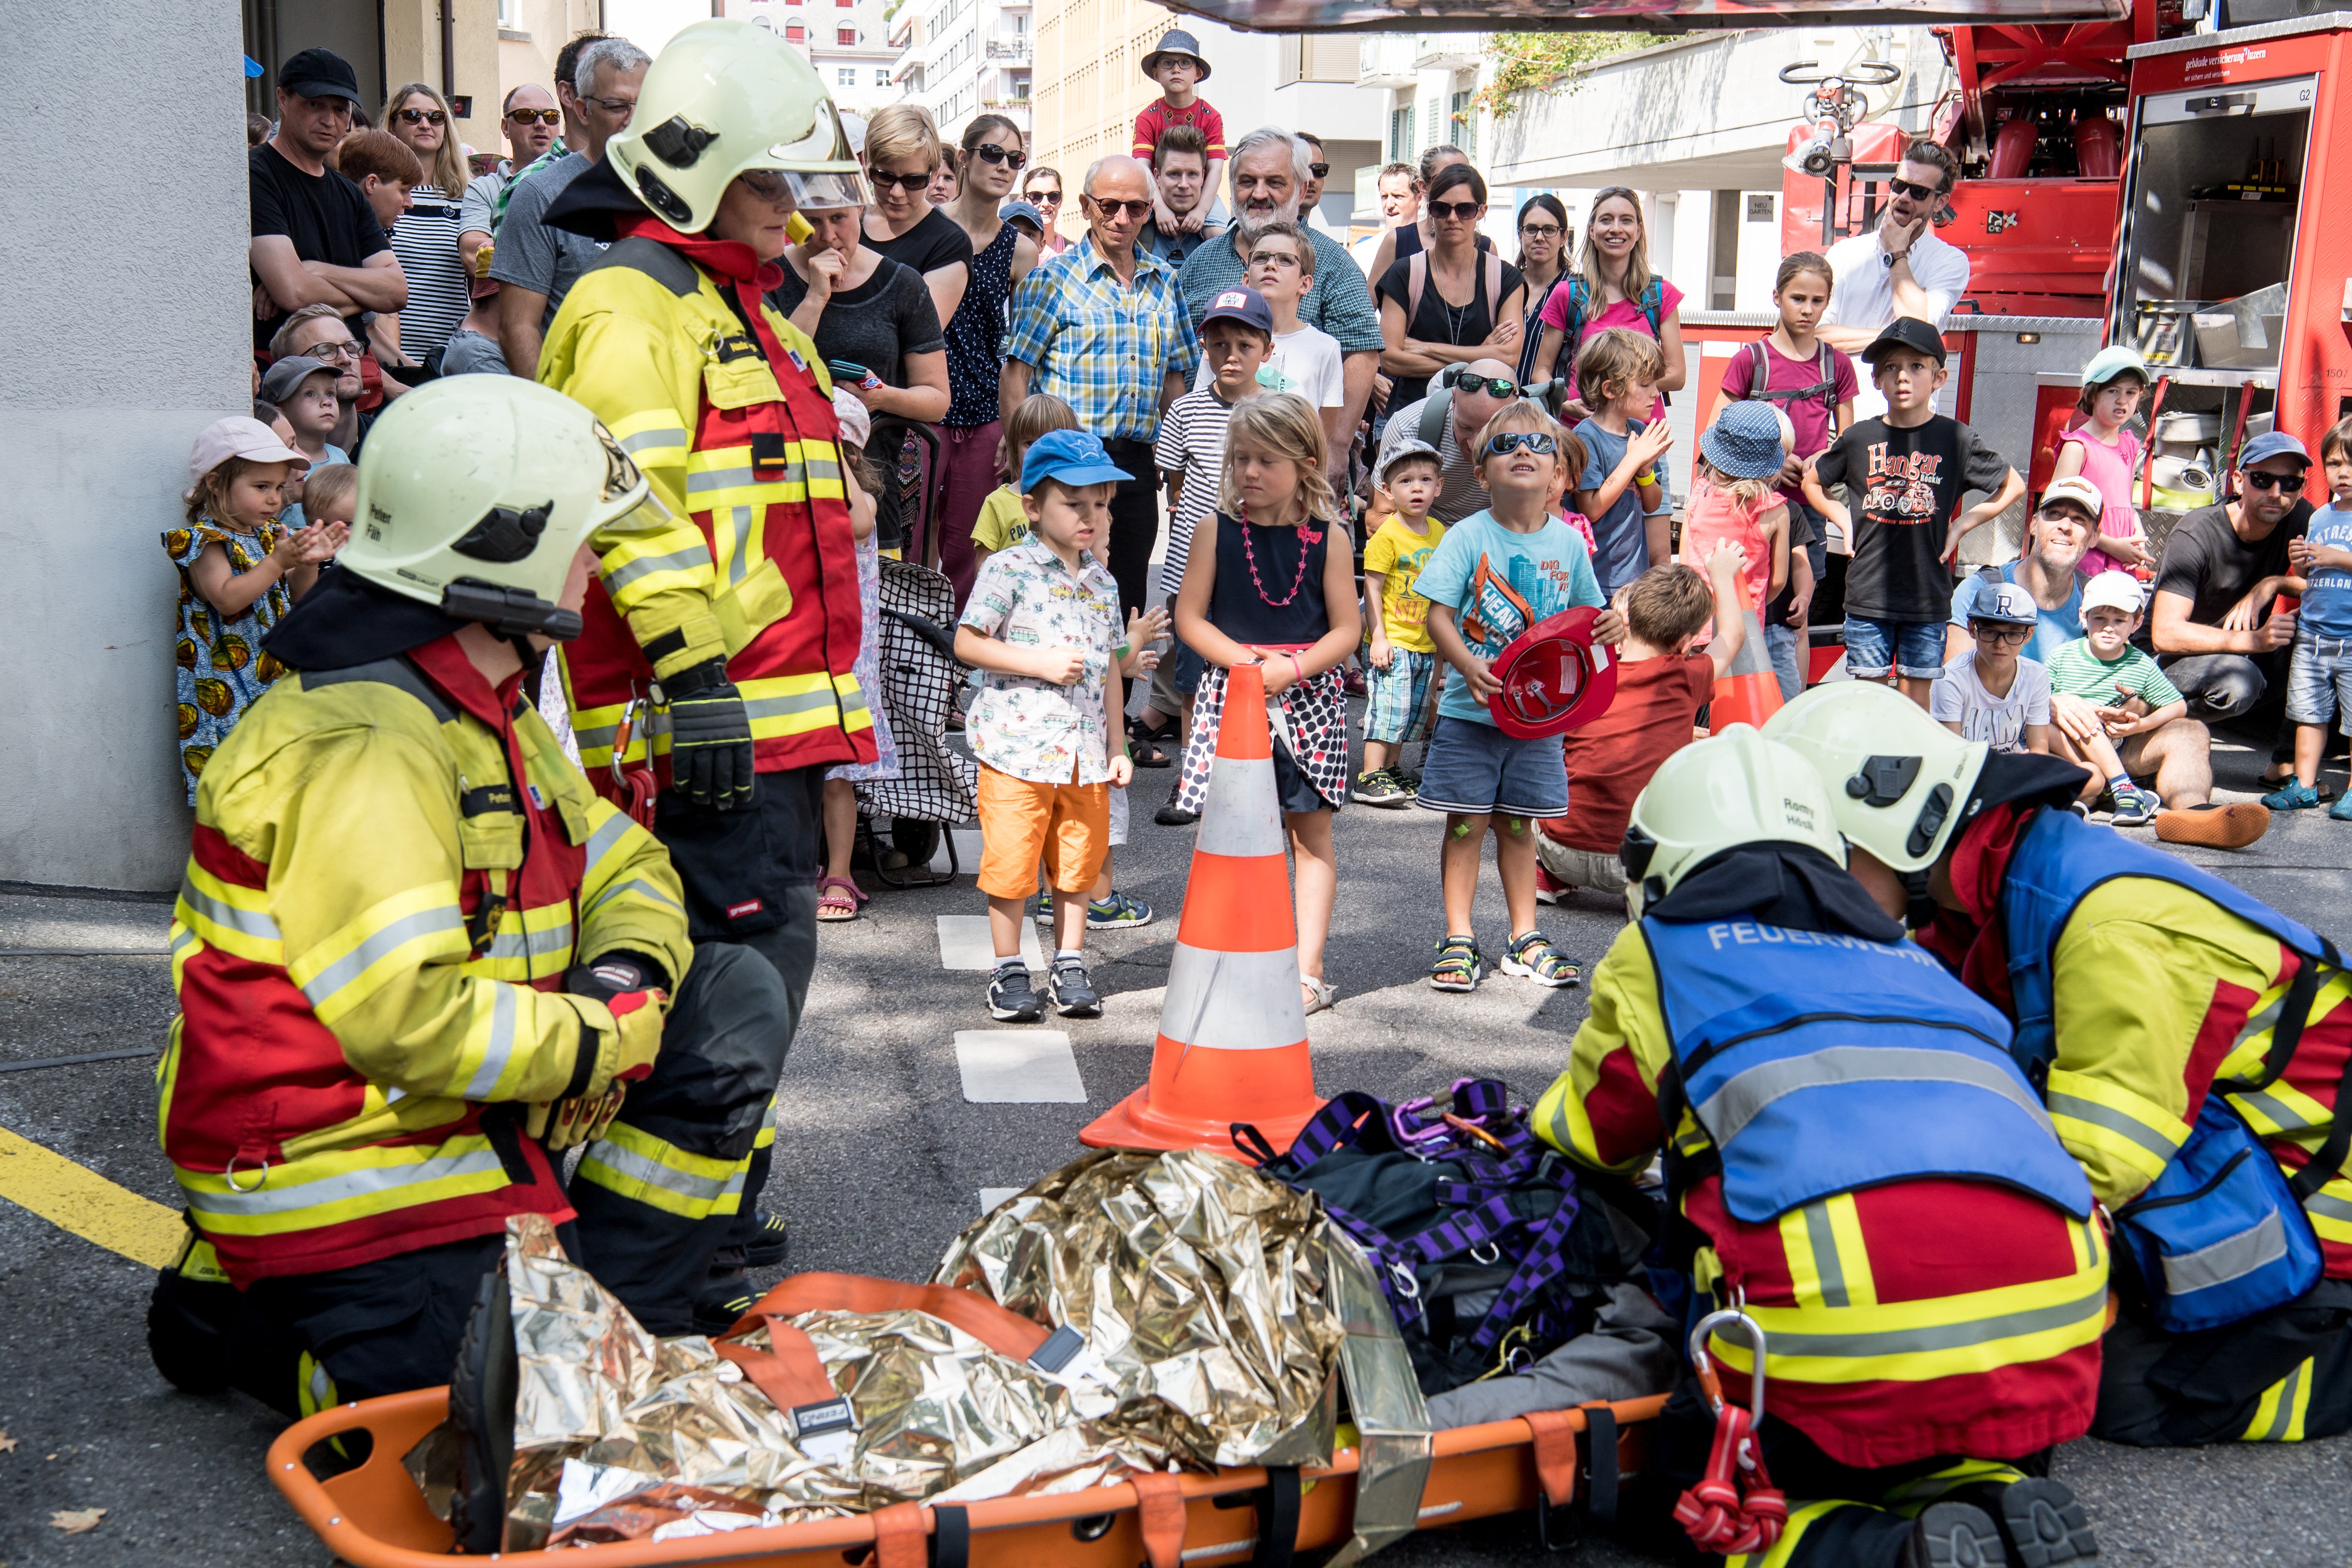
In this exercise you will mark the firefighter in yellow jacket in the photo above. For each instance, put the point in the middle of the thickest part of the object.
(2192, 1045)
(726, 639)
(417, 957)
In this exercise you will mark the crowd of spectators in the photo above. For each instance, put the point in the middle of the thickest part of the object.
(1201, 274)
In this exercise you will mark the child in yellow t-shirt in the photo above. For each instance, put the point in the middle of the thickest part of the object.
(1403, 660)
(1002, 523)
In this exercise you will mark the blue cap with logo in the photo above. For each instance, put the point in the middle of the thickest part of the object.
(1070, 458)
(1241, 303)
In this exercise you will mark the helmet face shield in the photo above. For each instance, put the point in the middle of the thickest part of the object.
(812, 192)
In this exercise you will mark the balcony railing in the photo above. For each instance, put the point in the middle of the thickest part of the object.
(1442, 51)
(1008, 48)
(1385, 59)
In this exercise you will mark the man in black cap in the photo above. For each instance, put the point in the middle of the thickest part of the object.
(315, 240)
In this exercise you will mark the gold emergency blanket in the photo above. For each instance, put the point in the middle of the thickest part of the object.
(1200, 1287)
(1201, 1290)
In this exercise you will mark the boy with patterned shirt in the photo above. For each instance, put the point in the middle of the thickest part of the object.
(1403, 658)
(1042, 625)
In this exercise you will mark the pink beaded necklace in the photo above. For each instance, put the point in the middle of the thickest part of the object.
(1307, 539)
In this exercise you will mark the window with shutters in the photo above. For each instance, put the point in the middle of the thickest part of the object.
(795, 32)
(844, 36)
(1329, 56)
(1462, 125)
(1401, 147)
(1433, 126)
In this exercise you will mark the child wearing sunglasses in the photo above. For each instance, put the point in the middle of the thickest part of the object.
(1994, 695)
(1494, 574)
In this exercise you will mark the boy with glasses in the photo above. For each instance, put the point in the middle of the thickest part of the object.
(1992, 695)
(1302, 359)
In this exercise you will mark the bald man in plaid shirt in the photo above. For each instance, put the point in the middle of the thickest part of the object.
(1104, 328)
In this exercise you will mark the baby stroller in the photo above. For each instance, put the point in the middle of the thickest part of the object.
(936, 785)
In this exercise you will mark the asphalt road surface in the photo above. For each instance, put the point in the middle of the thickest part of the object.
(880, 1163)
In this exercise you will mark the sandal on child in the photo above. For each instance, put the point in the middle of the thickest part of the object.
(1457, 965)
(1533, 957)
(1142, 743)
(1320, 997)
(838, 899)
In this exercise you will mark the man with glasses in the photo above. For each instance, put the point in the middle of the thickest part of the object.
(528, 121)
(317, 331)
(2215, 621)
(1105, 330)
(1899, 268)
(536, 265)
(1310, 195)
(1474, 392)
(1180, 164)
(315, 240)
(1270, 172)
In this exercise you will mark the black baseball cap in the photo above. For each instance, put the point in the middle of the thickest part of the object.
(319, 73)
(1906, 332)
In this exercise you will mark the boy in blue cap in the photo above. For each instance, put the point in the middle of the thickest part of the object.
(1042, 625)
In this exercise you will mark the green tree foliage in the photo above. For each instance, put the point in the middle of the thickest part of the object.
(1548, 62)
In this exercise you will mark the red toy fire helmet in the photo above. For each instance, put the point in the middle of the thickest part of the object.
(1555, 678)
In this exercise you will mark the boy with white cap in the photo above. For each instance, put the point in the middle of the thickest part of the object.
(2128, 695)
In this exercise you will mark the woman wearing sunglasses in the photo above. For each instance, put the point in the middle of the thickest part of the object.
(426, 236)
(1043, 190)
(988, 164)
(1899, 268)
(902, 153)
(1451, 303)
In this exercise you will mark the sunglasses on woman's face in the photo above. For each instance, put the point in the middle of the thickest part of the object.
(1503, 443)
(885, 179)
(1046, 198)
(423, 117)
(2286, 484)
(536, 116)
(1460, 211)
(989, 153)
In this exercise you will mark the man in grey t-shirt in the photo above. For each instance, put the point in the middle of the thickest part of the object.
(1461, 493)
(536, 265)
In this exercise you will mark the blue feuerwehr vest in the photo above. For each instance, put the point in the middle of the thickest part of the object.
(1820, 1063)
(2221, 1234)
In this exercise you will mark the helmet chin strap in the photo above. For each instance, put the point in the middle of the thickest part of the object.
(1920, 909)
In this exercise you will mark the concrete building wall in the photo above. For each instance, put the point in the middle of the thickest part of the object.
(94, 433)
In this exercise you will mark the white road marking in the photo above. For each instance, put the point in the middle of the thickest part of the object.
(965, 944)
(1018, 1067)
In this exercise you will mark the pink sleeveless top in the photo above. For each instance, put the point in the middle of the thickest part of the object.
(2110, 468)
(1713, 516)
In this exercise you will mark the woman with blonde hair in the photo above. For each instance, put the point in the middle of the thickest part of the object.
(1613, 287)
(1271, 582)
(902, 153)
(424, 240)
(987, 166)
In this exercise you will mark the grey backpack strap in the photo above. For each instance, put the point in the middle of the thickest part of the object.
(1436, 408)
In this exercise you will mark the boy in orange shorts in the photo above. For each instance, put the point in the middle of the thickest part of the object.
(1042, 625)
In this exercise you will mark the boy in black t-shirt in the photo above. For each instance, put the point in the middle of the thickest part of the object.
(1907, 471)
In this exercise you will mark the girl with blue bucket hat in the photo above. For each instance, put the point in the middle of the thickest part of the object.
(1735, 501)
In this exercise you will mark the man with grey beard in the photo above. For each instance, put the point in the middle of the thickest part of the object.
(1267, 176)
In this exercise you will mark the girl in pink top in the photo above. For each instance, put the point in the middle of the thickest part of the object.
(1734, 501)
(2102, 451)
(1613, 287)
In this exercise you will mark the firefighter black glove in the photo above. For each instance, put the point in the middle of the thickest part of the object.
(710, 737)
(614, 973)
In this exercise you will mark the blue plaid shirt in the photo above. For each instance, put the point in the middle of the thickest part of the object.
(1340, 303)
(1099, 345)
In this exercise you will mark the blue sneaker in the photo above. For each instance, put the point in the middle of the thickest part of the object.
(2293, 796)
(2342, 810)
(2136, 808)
(1118, 909)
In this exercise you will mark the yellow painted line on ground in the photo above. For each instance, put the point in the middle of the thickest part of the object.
(77, 1198)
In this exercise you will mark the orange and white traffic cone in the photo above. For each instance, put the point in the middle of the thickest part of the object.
(1233, 1030)
(1748, 692)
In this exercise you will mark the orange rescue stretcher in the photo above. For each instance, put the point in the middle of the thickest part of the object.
(374, 1516)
